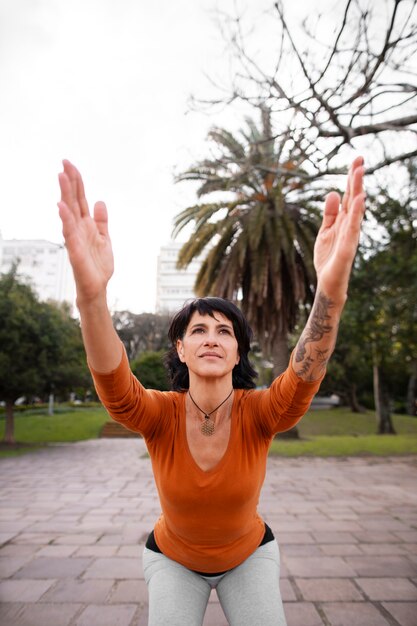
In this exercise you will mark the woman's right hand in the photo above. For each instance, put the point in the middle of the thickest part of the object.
(86, 238)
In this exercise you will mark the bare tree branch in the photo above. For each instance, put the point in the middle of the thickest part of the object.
(358, 84)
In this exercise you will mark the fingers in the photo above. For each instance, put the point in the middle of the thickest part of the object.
(72, 189)
(331, 209)
(101, 218)
(357, 212)
(67, 219)
(354, 183)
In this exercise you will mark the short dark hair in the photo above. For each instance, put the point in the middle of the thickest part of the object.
(243, 374)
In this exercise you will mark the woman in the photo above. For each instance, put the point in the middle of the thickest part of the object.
(208, 439)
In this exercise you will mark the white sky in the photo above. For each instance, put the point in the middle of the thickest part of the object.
(105, 84)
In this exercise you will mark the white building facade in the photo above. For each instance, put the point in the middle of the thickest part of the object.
(174, 286)
(41, 264)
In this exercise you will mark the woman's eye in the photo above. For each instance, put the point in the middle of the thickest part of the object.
(197, 330)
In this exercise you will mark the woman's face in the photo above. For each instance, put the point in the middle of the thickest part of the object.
(209, 347)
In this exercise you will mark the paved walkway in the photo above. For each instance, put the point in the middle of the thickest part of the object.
(74, 517)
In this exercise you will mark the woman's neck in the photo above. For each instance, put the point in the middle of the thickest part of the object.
(208, 393)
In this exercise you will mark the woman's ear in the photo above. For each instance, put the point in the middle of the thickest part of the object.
(180, 350)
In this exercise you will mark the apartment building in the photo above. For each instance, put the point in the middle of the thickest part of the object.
(42, 264)
(174, 286)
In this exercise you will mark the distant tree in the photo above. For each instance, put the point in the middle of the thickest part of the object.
(349, 373)
(150, 370)
(40, 347)
(142, 332)
(377, 344)
(399, 257)
(61, 351)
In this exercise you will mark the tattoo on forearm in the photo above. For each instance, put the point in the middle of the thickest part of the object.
(313, 360)
(308, 362)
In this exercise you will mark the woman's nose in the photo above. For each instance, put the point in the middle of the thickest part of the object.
(211, 340)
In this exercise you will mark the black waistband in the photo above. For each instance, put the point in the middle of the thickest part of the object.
(152, 545)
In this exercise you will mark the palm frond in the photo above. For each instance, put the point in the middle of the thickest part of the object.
(196, 213)
(223, 137)
(197, 244)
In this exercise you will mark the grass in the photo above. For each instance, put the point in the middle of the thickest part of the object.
(331, 432)
(341, 421)
(35, 428)
(339, 445)
(339, 432)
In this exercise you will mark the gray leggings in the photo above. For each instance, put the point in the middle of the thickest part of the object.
(249, 594)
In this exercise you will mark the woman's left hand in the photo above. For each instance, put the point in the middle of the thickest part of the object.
(338, 237)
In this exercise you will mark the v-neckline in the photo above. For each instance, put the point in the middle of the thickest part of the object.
(223, 459)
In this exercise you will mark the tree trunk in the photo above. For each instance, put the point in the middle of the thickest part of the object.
(51, 404)
(412, 391)
(353, 399)
(382, 407)
(280, 358)
(9, 429)
(280, 355)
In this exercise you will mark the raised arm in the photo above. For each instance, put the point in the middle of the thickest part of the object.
(334, 252)
(90, 253)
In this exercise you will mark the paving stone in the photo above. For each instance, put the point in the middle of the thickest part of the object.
(5, 537)
(131, 551)
(378, 566)
(23, 590)
(77, 539)
(57, 551)
(302, 614)
(75, 590)
(45, 614)
(328, 589)
(353, 614)
(12, 527)
(334, 537)
(388, 589)
(318, 567)
(97, 615)
(296, 526)
(381, 524)
(34, 538)
(97, 551)
(410, 536)
(382, 549)
(404, 612)
(341, 549)
(343, 515)
(335, 519)
(214, 616)
(287, 590)
(125, 591)
(301, 550)
(13, 549)
(8, 613)
(116, 567)
(329, 526)
(284, 538)
(10, 565)
(375, 537)
(54, 567)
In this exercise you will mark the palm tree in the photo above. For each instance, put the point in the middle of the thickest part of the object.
(260, 245)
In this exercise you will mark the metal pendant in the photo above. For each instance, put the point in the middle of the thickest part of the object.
(207, 427)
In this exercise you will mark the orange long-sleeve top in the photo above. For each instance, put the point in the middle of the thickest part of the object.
(209, 521)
